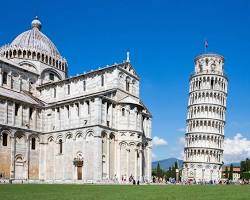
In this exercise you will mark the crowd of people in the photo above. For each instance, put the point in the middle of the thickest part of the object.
(160, 180)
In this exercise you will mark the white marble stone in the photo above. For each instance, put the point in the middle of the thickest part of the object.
(203, 152)
(92, 127)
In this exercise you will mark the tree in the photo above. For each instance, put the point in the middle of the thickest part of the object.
(247, 165)
(231, 172)
(242, 167)
(176, 165)
(226, 172)
(153, 172)
(158, 170)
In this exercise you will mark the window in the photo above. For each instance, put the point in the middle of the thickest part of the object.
(5, 139)
(127, 85)
(68, 89)
(54, 92)
(5, 77)
(60, 146)
(58, 112)
(31, 112)
(16, 109)
(88, 107)
(102, 80)
(123, 112)
(78, 110)
(212, 83)
(51, 77)
(67, 107)
(33, 143)
(84, 85)
(12, 83)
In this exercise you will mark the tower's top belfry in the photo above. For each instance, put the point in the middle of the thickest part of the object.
(206, 63)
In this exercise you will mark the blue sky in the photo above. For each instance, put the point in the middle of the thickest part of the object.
(163, 37)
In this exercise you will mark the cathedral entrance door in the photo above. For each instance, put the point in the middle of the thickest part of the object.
(79, 173)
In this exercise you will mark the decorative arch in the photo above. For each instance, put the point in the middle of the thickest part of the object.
(89, 134)
(19, 158)
(51, 70)
(59, 137)
(29, 64)
(69, 136)
(51, 139)
(34, 136)
(78, 134)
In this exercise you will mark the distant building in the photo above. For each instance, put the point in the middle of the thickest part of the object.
(91, 127)
(203, 152)
(236, 172)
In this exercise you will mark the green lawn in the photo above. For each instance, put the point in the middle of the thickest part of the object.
(110, 192)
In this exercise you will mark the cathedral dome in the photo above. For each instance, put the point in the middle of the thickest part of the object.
(35, 46)
(34, 39)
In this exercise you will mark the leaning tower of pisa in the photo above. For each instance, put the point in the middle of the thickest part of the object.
(203, 152)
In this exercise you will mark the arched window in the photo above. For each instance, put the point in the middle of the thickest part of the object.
(212, 83)
(102, 80)
(33, 143)
(68, 89)
(88, 107)
(123, 112)
(5, 77)
(68, 113)
(84, 85)
(54, 92)
(5, 139)
(51, 76)
(77, 109)
(127, 85)
(16, 109)
(60, 146)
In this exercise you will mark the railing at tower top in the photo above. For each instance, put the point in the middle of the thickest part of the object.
(209, 72)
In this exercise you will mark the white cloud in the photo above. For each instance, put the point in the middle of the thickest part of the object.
(153, 156)
(236, 149)
(159, 141)
(183, 130)
(182, 141)
(181, 145)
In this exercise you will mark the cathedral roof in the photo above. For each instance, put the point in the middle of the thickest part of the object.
(21, 96)
(129, 99)
(34, 39)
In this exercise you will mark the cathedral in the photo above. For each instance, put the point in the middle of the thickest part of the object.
(91, 127)
(203, 152)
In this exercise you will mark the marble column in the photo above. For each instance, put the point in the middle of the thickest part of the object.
(21, 115)
(98, 104)
(140, 164)
(118, 161)
(1, 77)
(127, 152)
(9, 80)
(150, 163)
(28, 118)
(98, 159)
(35, 119)
(13, 114)
(6, 112)
(136, 163)
(20, 84)
(13, 152)
(111, 115)
(27, 157)
(107, 156)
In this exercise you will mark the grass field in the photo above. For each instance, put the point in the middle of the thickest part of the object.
(110, 192)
